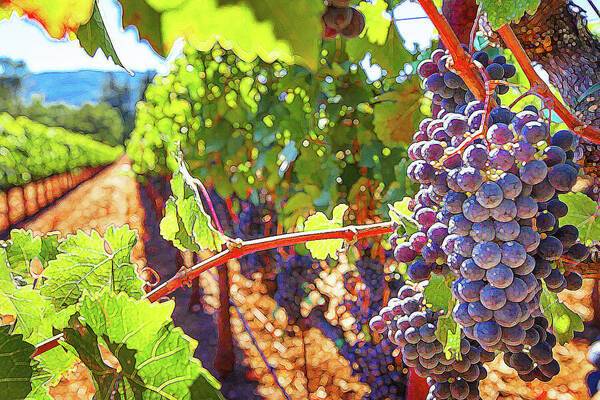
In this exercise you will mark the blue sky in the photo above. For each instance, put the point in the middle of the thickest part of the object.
(28, 42)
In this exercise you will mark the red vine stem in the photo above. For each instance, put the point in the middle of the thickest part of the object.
(241, 248)
(462, 60)
(512, 43)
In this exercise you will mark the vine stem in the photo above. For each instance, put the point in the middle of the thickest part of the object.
(239, 248)
(509, 38)
(462, 61)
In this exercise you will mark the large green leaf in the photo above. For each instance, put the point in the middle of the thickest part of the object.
(563, 321)
(296, 22)
(156, 358)
(15, 365)
(320, 249)
(379, 38)
(500, 12)
(398, 113)
(186, 223)
(91, 263)
(147, 21)
(583, 213)
(93, 36)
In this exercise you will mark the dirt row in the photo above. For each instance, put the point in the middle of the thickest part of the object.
(306, 362)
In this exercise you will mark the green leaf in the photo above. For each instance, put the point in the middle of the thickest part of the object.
(400, 214)
(23, 247)
(397, 113)
(49, 248)
(298, 23)
(501, 12)
(91, 263)
(156, 358)
(438, 295)
(15, 365)
(185, 223)
(379, 38)
(93, 36)
(563, 321)
(147, 21)
(24, 303)
(584, 214)
(320, 249)
(448, 332)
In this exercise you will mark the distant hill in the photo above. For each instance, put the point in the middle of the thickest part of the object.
(78, 87)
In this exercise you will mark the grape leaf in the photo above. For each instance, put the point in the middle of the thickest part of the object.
(379, 38)
(49, 248)
(84, 264)
(563, 321)
(15, 365)
(185, 223)
(22, 248)
(448, 332)
(320, 249)
(156, 358)
(437, 293)
(397, 113)
(401, 215)
(147, 21)
(584, 214)
(501, 12)
(298, 23)
(24, 303)
(93, 36)
(58, 18)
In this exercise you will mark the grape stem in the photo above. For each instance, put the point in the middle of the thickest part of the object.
(588, 132)
(462, 61)
(239, 248)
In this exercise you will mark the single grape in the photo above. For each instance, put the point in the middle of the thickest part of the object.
(507, 231)
(469, 179)
(492, 298)
(524, 151)
(522, 118)
(511, 185)
(487, 254)
(499, 133)
(495, 71)
(483, 231)
(516, 292)
(563, 139)
(474, 211)
(550, 248)
(476, 156)
(513, 254)
(488, 333)
(533, 172)
(554, 155)
(562, 177)
(534, 131)
(500, 276)
(471, 271)
(526, 207)
(427, 68)
(505, 211)
(501, 159)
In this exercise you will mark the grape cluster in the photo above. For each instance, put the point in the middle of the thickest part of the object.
(450, 93)
(411, 326)
(341, 19)
(488, 213)
(295, 280)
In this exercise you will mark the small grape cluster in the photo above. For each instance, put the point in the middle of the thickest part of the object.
(450, 92)
(412, 326)
(340, 18)
(295, 280)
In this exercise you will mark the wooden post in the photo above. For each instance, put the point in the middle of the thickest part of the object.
(225, 357)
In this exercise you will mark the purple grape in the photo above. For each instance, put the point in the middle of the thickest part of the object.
(499, 133)
(500, 276)
(469, 179)
(534, 132)
(488, 333)
(474, 211)
(476, 156)
(487, 255)
(404, 253)
(507, 231)
(505, 211)
(562, 177)
(511, 185)
(489, 195)
(501, 159)
(492, 298)
(533, 172)
(524, 151)
(563, 139)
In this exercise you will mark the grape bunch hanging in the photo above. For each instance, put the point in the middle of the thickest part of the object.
(341, 19)
(487, 214)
